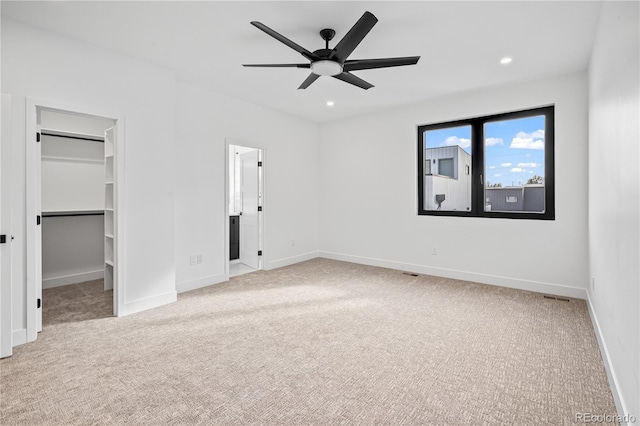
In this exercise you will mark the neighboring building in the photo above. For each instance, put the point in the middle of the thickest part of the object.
(528, 198)
(447, 180)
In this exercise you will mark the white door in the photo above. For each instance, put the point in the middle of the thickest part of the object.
(5, 229)
(39, 233)
(34, 211)
(249, 235)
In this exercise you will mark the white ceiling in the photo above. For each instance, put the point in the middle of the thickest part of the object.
(460, 43)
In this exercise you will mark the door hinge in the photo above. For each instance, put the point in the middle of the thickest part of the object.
(259, 208)
(259, 252)
(38, 220)
(3, 239)
(37, 136)
(39, 303)
(259, 163)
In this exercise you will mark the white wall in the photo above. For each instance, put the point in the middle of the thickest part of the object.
(614, 195)
(368, 196)
(43, 65)
(72, 250)
(206, 121)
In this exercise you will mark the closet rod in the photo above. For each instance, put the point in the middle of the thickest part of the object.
(72, 214)
(72, 136)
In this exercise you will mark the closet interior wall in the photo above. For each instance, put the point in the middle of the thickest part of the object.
(73, 198)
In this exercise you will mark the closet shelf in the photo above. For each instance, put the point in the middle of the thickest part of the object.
(52, 213)
(72, 159)
(108, 183)
(71, 135)
(109, 236)
(109, 262)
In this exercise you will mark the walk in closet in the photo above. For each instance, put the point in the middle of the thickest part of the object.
(77, 199)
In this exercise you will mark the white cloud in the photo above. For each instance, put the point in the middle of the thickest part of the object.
(518, 170)
(497, 175)
(533, 140)
(493, 141)
(528, 164)
(505, 165)
(492, 167)
(454, 140)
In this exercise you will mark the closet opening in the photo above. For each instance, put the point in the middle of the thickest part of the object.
(245, 201)
(77, 217)
(72, 217)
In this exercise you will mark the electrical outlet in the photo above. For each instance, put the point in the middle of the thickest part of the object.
(434, 252)
(199, 259)
(293, 243)
(192, 260)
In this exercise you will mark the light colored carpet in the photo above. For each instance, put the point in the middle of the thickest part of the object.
(319, 342)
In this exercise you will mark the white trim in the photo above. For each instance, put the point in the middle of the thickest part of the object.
(149, 303)
(291, 260)
(32, 188)
(201, 282)
(225, 241)
(516, 283)
(72, 278)
(606, 360)
(6, 308)
(19, 337)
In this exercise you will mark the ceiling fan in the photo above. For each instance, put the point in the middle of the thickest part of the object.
(334, 62)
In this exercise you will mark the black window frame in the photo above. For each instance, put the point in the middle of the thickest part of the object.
(478, 179)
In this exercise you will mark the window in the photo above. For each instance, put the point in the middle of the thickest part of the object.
(494, 166)
(445, 167)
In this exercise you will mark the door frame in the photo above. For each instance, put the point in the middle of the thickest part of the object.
(6, 193)
(33, 189)
(262, 220)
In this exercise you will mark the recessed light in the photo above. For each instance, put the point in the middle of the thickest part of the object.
(506, 60)
(330, 103)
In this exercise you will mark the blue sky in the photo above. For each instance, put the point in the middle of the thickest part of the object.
(514, 149)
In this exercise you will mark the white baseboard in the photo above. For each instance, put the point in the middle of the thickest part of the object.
(539, 287)
(291, 260)
(201, 282)
(621, 406)
(19, 337)
(149, 303)
(72, 278)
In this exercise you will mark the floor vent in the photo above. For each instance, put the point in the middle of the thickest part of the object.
(410, 273)
(556, 298)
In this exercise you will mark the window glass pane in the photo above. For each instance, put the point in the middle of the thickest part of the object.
(514, 165)
(447, 178)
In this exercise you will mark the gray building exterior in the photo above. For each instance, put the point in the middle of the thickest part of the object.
(528, 198)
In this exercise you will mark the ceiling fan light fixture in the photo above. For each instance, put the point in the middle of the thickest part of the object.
(325, 67)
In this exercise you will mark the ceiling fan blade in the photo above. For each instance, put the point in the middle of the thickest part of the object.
(284, 40)
(278, 65)
(352, 79)
(353, 38)
(312, 77)
(367, 64)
